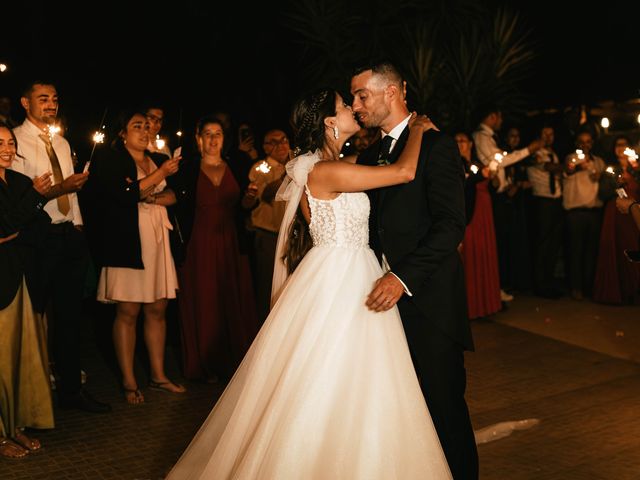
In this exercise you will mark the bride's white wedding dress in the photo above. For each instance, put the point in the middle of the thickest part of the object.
(327, 391)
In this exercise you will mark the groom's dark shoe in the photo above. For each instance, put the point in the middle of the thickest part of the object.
(83, 401)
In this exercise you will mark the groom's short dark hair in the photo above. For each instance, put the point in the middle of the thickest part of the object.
(380, 66)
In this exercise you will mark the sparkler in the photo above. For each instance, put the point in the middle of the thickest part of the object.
(179, 132)
(264, 167)
(98, 137)
(579, 155)
(497, 160)
(53, 130)
(632, 156)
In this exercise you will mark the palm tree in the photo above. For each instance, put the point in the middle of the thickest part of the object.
(455, 55)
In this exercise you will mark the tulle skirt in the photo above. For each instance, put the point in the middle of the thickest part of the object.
(326, 391)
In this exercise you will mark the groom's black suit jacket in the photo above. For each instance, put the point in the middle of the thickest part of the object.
(419, 225)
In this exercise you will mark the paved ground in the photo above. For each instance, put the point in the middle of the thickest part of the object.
(585, 397)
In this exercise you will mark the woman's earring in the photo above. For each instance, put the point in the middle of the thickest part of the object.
(336, 133)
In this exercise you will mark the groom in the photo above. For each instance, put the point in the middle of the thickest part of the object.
(415, 229)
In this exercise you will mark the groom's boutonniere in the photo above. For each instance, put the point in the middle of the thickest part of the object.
(382, 162)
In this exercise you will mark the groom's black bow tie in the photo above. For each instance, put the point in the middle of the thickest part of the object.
(385, 147)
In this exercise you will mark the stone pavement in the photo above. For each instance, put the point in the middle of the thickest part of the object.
(586, 401)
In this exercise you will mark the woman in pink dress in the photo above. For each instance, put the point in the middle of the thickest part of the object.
(130, 196)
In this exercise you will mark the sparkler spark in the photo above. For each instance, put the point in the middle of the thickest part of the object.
(264, 167)
(98, 137)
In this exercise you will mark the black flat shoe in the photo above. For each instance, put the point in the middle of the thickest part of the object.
(83, 401)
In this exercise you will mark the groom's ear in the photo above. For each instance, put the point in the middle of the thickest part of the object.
(391, 91)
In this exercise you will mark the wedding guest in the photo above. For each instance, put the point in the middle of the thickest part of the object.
(583, 214)
(62, 257)
(266, 175)
(516, 264)
(545, 174)
(25, 391)
(217, 309)
(617, 281)
(479, 251)
(155, 116)
(492, 155)
(138, 272)
(362, 139)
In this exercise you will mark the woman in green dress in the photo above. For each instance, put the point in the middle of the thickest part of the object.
(25, 392)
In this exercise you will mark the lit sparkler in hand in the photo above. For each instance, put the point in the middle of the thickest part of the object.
(497, 160)
(632, 156)
(578, 157)
(264, 167)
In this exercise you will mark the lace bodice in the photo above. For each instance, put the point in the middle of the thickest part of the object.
(341, 222)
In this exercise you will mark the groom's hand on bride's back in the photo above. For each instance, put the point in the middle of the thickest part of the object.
(385, 294)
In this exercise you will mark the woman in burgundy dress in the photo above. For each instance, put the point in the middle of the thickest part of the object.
(617, 280)
(217, 305)
(479, 251)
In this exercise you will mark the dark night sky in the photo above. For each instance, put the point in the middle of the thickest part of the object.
(240, 58)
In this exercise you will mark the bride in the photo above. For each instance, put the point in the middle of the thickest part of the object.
(328, 389)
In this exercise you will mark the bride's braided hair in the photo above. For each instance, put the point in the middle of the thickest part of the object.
(308, 125)
(308, 119)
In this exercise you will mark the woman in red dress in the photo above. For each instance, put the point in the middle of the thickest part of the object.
(479, 251)
(617, 280)
(217, 305)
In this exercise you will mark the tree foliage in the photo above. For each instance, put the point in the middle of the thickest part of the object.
(455, 54)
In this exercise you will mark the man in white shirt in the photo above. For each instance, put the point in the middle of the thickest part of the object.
(489, 153)
(62, 256)
(583, 213)
(155, 115)
(545, 174)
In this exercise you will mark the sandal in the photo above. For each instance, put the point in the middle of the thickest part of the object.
(31, 444)
(9, 449)
(133, 396)
(167, 386)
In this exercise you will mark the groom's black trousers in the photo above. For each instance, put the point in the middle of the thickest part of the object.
(439, 363)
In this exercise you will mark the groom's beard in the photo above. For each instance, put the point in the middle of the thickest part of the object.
(373, 119)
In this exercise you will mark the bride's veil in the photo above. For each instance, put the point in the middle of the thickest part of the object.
(290, 191)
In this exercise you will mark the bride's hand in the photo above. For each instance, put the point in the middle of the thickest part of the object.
(421, 121)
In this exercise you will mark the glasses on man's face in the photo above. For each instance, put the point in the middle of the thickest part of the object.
(154, 118)
(275, 143)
